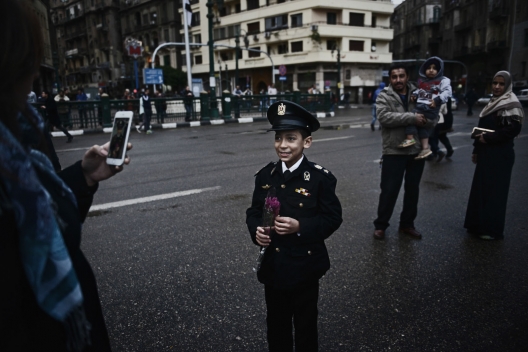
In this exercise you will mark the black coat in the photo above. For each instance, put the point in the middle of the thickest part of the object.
(52, 113)
(295, 259)
(24, 326)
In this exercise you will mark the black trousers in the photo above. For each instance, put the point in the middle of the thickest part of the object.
(299, 304)
(393, 171)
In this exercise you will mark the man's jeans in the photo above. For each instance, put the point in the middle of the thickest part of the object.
(394, 169)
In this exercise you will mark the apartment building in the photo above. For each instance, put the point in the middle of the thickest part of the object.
(46, 79)
(88, 42)
(152, 22)
(304, 36)
(486, 36)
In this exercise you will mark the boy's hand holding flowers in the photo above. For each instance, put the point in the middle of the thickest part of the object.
(285, 225)
(263, 237)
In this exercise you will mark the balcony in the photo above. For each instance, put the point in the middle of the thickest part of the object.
(498, 13)
(75, 34)
(71, 17)
(102, 27)
(497, 45)
(103, 66)
(463, 26)
(80, 51)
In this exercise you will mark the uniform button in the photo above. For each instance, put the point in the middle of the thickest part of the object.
(300, 205)
(283, 186)
(277, 249)
(309, 252)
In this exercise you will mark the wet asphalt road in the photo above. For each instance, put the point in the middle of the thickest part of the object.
(176, 274)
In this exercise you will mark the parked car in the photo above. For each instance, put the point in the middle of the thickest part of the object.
(485, 99)
(523, 97)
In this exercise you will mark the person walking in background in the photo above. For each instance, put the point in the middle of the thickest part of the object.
(63, 109)
(392, 108)
(187, 96)
(494, 156)
(161, 107)
(263, 99)
(81, 108)
(32, 97)
(312, 101)
(272, 94)
(248, 97)
(145, 109)
(52, 114)
(471, 98)
(374, 97)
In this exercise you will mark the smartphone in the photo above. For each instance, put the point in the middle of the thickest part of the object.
(119, 138)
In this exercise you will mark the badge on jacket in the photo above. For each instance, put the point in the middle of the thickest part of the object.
(303, 191)
(306, 176)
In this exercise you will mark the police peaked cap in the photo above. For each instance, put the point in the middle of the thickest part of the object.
(285, 115)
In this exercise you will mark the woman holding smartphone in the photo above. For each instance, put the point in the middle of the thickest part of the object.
(494, 156)
(49, 299)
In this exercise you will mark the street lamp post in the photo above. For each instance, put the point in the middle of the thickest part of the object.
(212, 80)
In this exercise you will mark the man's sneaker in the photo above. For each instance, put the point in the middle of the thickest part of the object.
(424, 154)
(138, 128)
(407, 143)
(449, 153)
(149, 132)
(441, 155)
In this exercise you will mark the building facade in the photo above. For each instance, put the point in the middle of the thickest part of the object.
(303, 35)
(485, 36)
(152, 22)
(88, 42)
(46, 79)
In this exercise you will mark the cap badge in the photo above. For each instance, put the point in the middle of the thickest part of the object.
(306, 176)
(266, 186)
(281, 109)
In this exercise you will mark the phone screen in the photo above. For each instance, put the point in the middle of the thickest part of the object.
(118, 140)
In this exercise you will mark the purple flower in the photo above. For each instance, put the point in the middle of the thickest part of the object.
(272, 205)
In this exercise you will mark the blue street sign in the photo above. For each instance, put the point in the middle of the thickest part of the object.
(152, 76)
(282, 78)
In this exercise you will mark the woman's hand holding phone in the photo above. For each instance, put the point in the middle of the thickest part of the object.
(94, 164)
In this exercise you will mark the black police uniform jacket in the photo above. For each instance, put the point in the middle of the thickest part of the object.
(309, 197)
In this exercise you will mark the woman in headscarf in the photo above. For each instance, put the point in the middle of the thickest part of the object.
(48, 296)
(494, 156)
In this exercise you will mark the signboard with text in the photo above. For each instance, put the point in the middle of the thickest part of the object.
(152, 76)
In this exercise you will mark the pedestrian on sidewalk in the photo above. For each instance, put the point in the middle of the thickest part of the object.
(393, 107)
(494, 156)
(187, 102)
(471, 98)
(374, 97)
(161, 107)
(52, 114)
(81, 108)
(296, 256)
(145, 109)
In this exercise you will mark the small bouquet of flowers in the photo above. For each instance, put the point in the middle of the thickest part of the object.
(269, 213)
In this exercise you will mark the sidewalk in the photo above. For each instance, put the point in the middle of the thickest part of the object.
(336, 120)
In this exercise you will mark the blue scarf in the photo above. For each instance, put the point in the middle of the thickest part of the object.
(45, 259)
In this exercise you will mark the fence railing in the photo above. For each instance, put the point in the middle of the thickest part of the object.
(99, 113)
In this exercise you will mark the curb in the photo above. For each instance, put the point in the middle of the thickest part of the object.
(319, 115)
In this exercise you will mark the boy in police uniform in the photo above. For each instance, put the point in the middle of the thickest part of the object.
(296, 256)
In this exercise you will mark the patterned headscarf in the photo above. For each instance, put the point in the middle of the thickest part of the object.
(507, 103)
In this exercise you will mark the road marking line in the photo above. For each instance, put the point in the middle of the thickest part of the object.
(245, 120)
(72, 132)
(71, 150)
(151, 198)
(331, 139)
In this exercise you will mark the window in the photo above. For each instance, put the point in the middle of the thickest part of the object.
(358, 19)
(276, 22)
(166, 35)
(296, 20)
(226, 56)
(296, 47)
(153, 18)
(331, 18)
(254, 53)
(282, 48)
(195, 20)
(523, 69)
(252, 4)
(197, 38)
(145, 19)
(374, 21)
(166, 60)
(219, 33)
(356, 45)
(526, 37)
(331, 45)
(347, 74)
(233, 30)
(253, 28)
(373, 47)
(198, 59)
